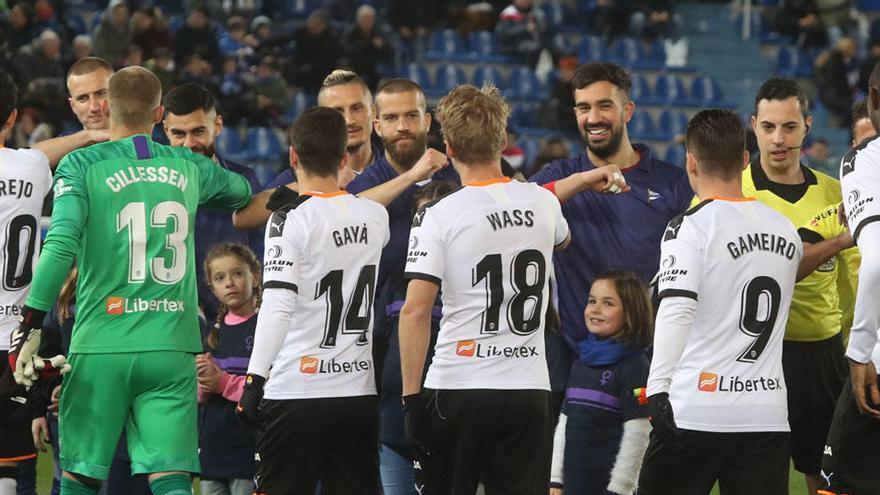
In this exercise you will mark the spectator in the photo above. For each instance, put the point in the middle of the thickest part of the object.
(261, 29)
(832, 80)
(610, 18)
(268, 92)
(81, 48)
(315, 53)
(30, 129)
(862, 128)
(162, 64)
(521, 29)
(197, 37)
(818, 154)
(113, 34)
(133, 56)
(17, 26)
(513, 153)
(656, 19)
(41, 58)
(562, 95)
(235, 41)
(555, 148)
(150, 31)
(835, 16)
(412, 20)
(197, 69)
(366, 45)
(799, 20)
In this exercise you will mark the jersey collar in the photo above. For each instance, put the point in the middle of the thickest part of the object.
(489, 182)
(761, 181)
(324, 195)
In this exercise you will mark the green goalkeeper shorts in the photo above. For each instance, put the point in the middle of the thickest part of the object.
(151, 394)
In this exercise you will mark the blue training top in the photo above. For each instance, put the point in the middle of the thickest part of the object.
(612, 231)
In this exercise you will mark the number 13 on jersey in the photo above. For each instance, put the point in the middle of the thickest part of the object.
(168, 269)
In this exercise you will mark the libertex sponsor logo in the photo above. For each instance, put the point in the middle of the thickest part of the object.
(314, 366)
(119, 305)
(474, 349)
(712, 382)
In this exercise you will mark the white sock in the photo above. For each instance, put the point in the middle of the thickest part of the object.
(7, 486)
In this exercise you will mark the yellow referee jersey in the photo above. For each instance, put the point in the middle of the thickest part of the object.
(815, 312)
(839, 275)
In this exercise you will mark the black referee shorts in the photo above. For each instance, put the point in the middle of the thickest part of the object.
(498, 436)
(17, 444)
(814, 376)
(753, 463)
(851, 457)
(334, 441)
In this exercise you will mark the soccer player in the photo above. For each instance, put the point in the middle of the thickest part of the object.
(850, 461)
(346, 92)
(485, 411)
(124, 210)
(312, 349)
(813, 350)
(862, 128)
(716, 390)
(87, 82)
(191, 120)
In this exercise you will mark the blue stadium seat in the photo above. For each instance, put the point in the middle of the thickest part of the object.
(487, 74)
(591, 49)
(675, 155)
(787, 61)
(524, 84)
(417, 74)
(642, 126)
(483, 47)
(263, 144)
(553, 12)
(265, 172)
(706, 92)
(300, 103)
(655, 57)
(229, 142)
(669, 90)
(670, 124)
(626, 51)
(296, 9)
(448, 76)
(446, 45)
(641, 91)
(531, 147)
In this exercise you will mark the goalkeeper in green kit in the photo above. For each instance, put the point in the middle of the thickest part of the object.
(125, 211)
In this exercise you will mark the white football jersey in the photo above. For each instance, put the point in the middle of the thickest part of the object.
(326, 249)
(860, 183)
(738, 259)
(490, 248)
(25, 180)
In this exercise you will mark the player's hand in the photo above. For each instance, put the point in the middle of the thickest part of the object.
(864, 387)
(663, 419)
(248, 408)
(427, 165)
(415, 419)
(54, 400)
(608, 179)
(40, 432)
(22, 353)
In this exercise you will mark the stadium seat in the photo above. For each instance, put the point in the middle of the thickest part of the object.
(265, 173)
(642, 126)
(487, 74)
(524, 84)
(263, 144)
(483, 47)
(553, 12)
(448, 77)
(655, 57)
(670, 124)
(229, 142)
(591, 49)
(706, 92)
(417, 74)
(669, 90)
(675, 155)
(446, 45)
(641, 91)
(296, 9)
(787, 61)
(626, 52)
(300, 103)
(531, 147)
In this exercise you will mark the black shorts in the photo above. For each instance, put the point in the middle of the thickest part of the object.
(333, 440)
(814, 376)
(15, 417)
(851, 454)
(498, 436)
(741, 463)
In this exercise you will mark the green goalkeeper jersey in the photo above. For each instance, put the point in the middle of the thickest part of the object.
(125, 210)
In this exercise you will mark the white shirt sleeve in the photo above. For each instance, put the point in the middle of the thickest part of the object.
(561, 231)
(426, 259)
(672, 328)
(866, 320)
(280, 289)
(681, 260)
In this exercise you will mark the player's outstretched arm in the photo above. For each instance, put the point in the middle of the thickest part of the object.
(56, 148)
(428, 165)
(258, 211)
(608, 179)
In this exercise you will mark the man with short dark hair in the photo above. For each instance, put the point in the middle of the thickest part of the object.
(716, 389)
(191, 120)
(812, 356)
(122, 210)
(312, 347)
(862, 128)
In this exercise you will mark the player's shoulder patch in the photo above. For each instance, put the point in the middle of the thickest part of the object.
(674, 225)
(848, 164)
(279, 216)
(420, 213)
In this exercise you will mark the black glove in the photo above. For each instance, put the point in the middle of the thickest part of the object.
(280, 197)
(248, 408)
(415, 424)
(662, 419)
